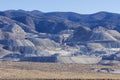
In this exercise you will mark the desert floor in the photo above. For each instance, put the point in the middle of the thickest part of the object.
(35, 70)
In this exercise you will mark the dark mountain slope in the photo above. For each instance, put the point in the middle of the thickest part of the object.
(105, 19)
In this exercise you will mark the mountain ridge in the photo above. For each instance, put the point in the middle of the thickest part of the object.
(63, 35)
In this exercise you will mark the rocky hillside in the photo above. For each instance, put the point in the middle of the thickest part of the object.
(59, 36)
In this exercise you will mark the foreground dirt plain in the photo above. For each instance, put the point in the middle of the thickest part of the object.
(31, 70)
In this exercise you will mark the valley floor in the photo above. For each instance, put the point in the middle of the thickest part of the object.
(31, 70)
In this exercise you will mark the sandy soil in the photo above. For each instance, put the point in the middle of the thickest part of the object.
(29, 70)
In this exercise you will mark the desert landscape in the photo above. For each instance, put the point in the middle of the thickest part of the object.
(36, 70)
(60, 40)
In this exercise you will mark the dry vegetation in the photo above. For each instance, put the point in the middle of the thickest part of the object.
(29, 70)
